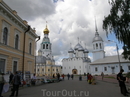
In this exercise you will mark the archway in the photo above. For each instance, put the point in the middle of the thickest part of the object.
(74, 71)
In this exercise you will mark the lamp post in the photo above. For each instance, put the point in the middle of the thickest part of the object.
(24, 50)
(117, 54)
(35, 56)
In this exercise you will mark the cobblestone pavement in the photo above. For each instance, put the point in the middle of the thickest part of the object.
(71, 88)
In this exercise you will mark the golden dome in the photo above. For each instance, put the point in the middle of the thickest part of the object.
(46, 31)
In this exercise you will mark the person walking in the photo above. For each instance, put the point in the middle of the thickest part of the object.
(72, 76)
(68, 75)
(102, 74)
(121, 81)
(2, 81)
(11, 77)
(16, 82)
(58, 77)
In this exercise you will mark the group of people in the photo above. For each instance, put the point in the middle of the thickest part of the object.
(72, 76)
(15, 81)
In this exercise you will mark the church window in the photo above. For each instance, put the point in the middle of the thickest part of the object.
(105, 68)
(96, 46)
(96, 69)
(30, 48)
(100, 46)
(48, 69)
(43, 46)
(5, 36)
(46, 46)
(128, 67)
(16, 41)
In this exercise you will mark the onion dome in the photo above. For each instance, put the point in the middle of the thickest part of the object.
(86, 51)
(71, 50)
(46, 31)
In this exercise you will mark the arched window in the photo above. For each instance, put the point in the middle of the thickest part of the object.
(100, 46)
(43, 46)
(16, 41)
(30, 48)
(46, 46)
(96, 46)
(5, 36)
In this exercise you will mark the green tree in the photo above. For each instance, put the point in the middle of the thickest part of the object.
(118, 22)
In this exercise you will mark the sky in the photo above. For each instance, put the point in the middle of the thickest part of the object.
(67, 20)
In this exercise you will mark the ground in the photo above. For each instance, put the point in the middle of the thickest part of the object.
(72, 88)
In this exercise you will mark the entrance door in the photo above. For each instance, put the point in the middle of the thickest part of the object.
(74, 71)
(15, 66)
(2, 65)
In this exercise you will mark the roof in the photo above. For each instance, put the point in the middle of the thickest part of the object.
(110, 60)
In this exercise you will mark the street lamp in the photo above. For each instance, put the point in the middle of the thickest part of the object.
(117, 53)
(24, 50)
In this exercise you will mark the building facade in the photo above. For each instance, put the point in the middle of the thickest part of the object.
(15, 55)
(78, 61)
(106, 64)
(45, 63)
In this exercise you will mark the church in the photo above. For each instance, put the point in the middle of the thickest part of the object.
(45, 63)
(79, 62)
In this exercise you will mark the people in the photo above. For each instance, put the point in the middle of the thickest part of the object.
(58, 76)
(63, 76)
(121, 81)
(53, 75)
(90, 78)
(68, 75)
(16, 82)
(2, 81)
(102, 74)
(11, 77)
(34, 78)
(80, 77)
(72, 76)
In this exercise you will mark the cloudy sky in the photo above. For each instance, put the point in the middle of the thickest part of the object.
(67, 20)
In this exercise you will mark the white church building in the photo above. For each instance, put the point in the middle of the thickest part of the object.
(79, 63)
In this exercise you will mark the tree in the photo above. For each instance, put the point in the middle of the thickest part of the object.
(118, 22)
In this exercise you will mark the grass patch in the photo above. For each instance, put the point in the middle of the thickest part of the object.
(110, 77)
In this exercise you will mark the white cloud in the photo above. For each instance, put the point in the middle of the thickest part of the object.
(111, 50)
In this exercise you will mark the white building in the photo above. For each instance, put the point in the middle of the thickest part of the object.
(106, 64)
(79, 63)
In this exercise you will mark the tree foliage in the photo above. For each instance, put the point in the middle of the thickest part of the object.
(118, 22)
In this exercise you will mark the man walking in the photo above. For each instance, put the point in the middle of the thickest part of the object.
(122, 85)
(16, 83)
